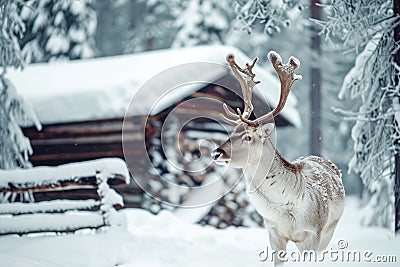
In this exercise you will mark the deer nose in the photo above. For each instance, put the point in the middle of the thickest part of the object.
(217, 153)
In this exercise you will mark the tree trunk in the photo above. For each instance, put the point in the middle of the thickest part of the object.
(397, 193)
(396, 9)
(149, 43)
(315, 83)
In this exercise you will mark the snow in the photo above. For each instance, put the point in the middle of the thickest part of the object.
(57, 44)
(14, 112)
(77, 7)
(109, 195)
(103, 87)
(355, 74)
(50, 222)
(165, 240)
(396, 109)
(47, 206)
(48, 175)
(202, 198)
(40, 21)
(43, 216)
(59, 18)
(77, 34)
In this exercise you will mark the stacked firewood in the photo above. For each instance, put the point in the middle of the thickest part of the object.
(189, 167)
(65, 198)
(233, 209)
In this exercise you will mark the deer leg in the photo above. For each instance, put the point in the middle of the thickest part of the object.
(278, 243)
(326, 235)
(306, 240)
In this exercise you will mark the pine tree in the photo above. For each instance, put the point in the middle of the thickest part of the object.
(155, 27)
(367, 27)
(164, 24)
(115, 20)
(61, 29)
(203, 22)
(175, 23)
(14, 111)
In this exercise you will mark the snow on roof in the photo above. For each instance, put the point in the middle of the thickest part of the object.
(102, 88)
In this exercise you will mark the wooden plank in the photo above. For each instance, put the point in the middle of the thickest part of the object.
(77, 194)
(90, 128)
(77, 149)
(54, 160)
(63, 157)
(77, 183)
(116, 148)
(91, 139)
(54, 206)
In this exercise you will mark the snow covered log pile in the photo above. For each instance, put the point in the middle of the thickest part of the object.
(65, 198)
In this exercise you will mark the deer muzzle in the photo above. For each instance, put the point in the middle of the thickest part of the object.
(220, 157)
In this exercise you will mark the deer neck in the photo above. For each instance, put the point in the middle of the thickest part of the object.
(274, 174)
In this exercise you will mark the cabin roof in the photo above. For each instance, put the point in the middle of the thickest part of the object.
(102, 88)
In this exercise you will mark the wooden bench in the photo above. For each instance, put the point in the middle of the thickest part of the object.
(65, 198)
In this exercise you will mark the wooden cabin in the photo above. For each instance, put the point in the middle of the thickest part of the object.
(104, 107)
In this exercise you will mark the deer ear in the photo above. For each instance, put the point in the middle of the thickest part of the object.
(266, 129)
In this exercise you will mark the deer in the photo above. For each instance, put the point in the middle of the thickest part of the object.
(300, 201)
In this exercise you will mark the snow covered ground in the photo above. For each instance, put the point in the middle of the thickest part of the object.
(166, 240)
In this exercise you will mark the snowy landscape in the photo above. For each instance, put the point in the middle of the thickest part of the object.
(121, 123)
(166, 240)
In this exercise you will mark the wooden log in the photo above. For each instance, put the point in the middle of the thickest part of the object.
(77, 194)
(54, 206)
(77, 183)
(77, 129)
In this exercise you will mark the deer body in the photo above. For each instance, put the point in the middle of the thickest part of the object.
(298, 204)
(300, 201)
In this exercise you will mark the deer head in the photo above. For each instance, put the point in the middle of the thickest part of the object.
(249, 137)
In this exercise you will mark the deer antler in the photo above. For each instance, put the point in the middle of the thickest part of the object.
(245, 77)
(286, 76)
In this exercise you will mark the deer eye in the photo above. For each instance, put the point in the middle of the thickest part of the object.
(247, 138)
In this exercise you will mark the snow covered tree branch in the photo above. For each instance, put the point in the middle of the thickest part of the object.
(203, 22)
(374, 84)
(61, 29)
(12, 28)
(14, 111)
(354, 23)
(272, 15)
